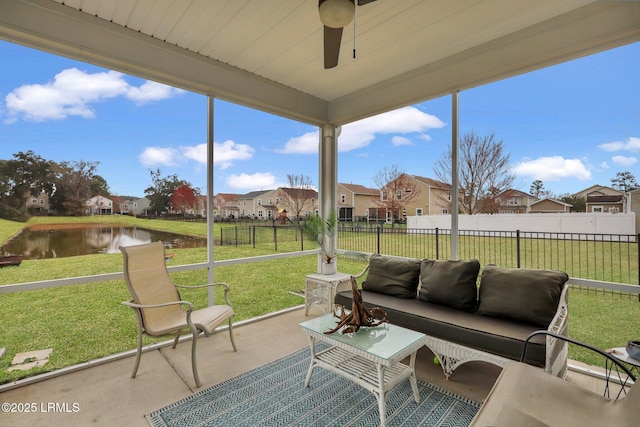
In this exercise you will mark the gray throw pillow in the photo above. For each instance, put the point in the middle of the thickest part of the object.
(526, 295)
(450, 283)
(394, 276)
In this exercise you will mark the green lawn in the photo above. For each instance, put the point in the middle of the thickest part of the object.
(87, 321)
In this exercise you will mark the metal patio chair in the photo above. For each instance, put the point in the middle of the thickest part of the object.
(159, 309)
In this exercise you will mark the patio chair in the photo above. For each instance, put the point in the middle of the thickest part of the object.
(159, 309)
(525, 395)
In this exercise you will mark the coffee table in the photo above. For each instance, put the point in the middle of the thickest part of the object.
(370, 357)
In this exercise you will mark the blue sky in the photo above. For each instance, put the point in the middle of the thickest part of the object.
(572, 126)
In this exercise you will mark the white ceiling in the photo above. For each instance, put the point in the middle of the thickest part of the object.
(267, 54)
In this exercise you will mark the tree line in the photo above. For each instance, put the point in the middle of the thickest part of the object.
(69, 185)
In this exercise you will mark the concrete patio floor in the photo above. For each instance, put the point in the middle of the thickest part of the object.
(105, 395)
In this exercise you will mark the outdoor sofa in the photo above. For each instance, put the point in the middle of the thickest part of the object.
(465, 322)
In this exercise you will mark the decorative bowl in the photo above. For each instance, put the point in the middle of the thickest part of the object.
(633, 349)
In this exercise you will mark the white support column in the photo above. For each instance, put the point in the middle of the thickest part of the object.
(328, 177)
(454, 175)
(210, 194)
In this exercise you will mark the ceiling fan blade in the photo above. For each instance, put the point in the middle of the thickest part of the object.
(332, 39)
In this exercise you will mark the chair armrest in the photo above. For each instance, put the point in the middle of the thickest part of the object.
(579, 343)
(557, 350)
(132, 304)
(222, 284)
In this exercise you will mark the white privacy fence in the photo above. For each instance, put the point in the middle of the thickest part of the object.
(561, 223)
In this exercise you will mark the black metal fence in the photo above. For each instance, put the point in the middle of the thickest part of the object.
(604, 257)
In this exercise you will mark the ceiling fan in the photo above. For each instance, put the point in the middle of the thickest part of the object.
(335, 15)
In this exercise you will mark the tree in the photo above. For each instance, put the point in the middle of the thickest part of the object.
(298, 195)
(99, 186)
(159, 193)
(27, 174)
(537, 187)
(397, 190)
(624, 181)
(579, 204)
(483, 170)
(183, 199)
(72, 182)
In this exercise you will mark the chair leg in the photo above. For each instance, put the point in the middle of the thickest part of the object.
(196, 377)
(138, 354)
(175, 341)
(233, 342)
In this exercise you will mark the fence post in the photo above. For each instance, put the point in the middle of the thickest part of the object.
(275, 237)
(236, 229)
(253, 231)
(221, 236)
(378, 232)
(518, 248)
(437, 244)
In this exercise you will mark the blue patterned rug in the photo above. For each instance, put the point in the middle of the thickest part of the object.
(274, 395)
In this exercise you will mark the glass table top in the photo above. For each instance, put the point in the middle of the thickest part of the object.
(384, 341)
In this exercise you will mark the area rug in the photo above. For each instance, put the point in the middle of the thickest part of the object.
(274, 395)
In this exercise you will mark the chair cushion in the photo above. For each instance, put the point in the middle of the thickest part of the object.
(521, 294)
(450, 283)
(394, 276)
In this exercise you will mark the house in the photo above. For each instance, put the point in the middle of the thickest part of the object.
(548, 205)
(412, 195)
(225, 205)
(298, 202)
(354, 201)
(250, 205)
(39, 203)
(512, 201)
(99, 205)
(600, 198)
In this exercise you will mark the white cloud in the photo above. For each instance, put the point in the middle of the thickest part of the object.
(552, 169)
(360, 134)
(224, 154)
(400, 140)
(604, 165)
(631, 144)
(72, 92)
(623, 160)
(158, 156)
(250, 182)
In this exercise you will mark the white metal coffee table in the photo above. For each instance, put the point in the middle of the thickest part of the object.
(370, 357)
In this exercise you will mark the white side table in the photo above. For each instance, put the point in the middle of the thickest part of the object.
(321, 289)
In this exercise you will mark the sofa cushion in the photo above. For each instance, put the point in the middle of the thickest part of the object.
(498, 336)
(521, 294)
(450, 283)
(394, 276)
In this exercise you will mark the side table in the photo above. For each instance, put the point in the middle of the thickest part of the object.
(621, 354)
(320, 290)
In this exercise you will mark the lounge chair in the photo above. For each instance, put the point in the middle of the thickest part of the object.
(159, 309)
(526, 396)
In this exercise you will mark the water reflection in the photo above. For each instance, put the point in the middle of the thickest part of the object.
(87, 239)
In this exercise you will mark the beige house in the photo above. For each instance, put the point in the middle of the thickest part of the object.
(225, 205)
(512, 201)
(412, 195)
(99, 205)
(600, 198)
(354, 201)
(549, 206)
(38, 203)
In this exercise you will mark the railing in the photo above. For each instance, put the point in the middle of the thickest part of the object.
(602, 257)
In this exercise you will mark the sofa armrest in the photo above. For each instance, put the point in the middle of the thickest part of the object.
(557, 349)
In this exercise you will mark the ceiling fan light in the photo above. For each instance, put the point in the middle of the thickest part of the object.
(337, 13)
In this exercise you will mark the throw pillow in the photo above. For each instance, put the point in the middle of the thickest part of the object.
(526, 295)
(394, 276)
(450, 283)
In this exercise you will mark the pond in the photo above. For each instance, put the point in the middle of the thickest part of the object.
(66, 240)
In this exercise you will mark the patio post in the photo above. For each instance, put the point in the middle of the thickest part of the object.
(210, 189)
(454, 174)
(328, 178)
